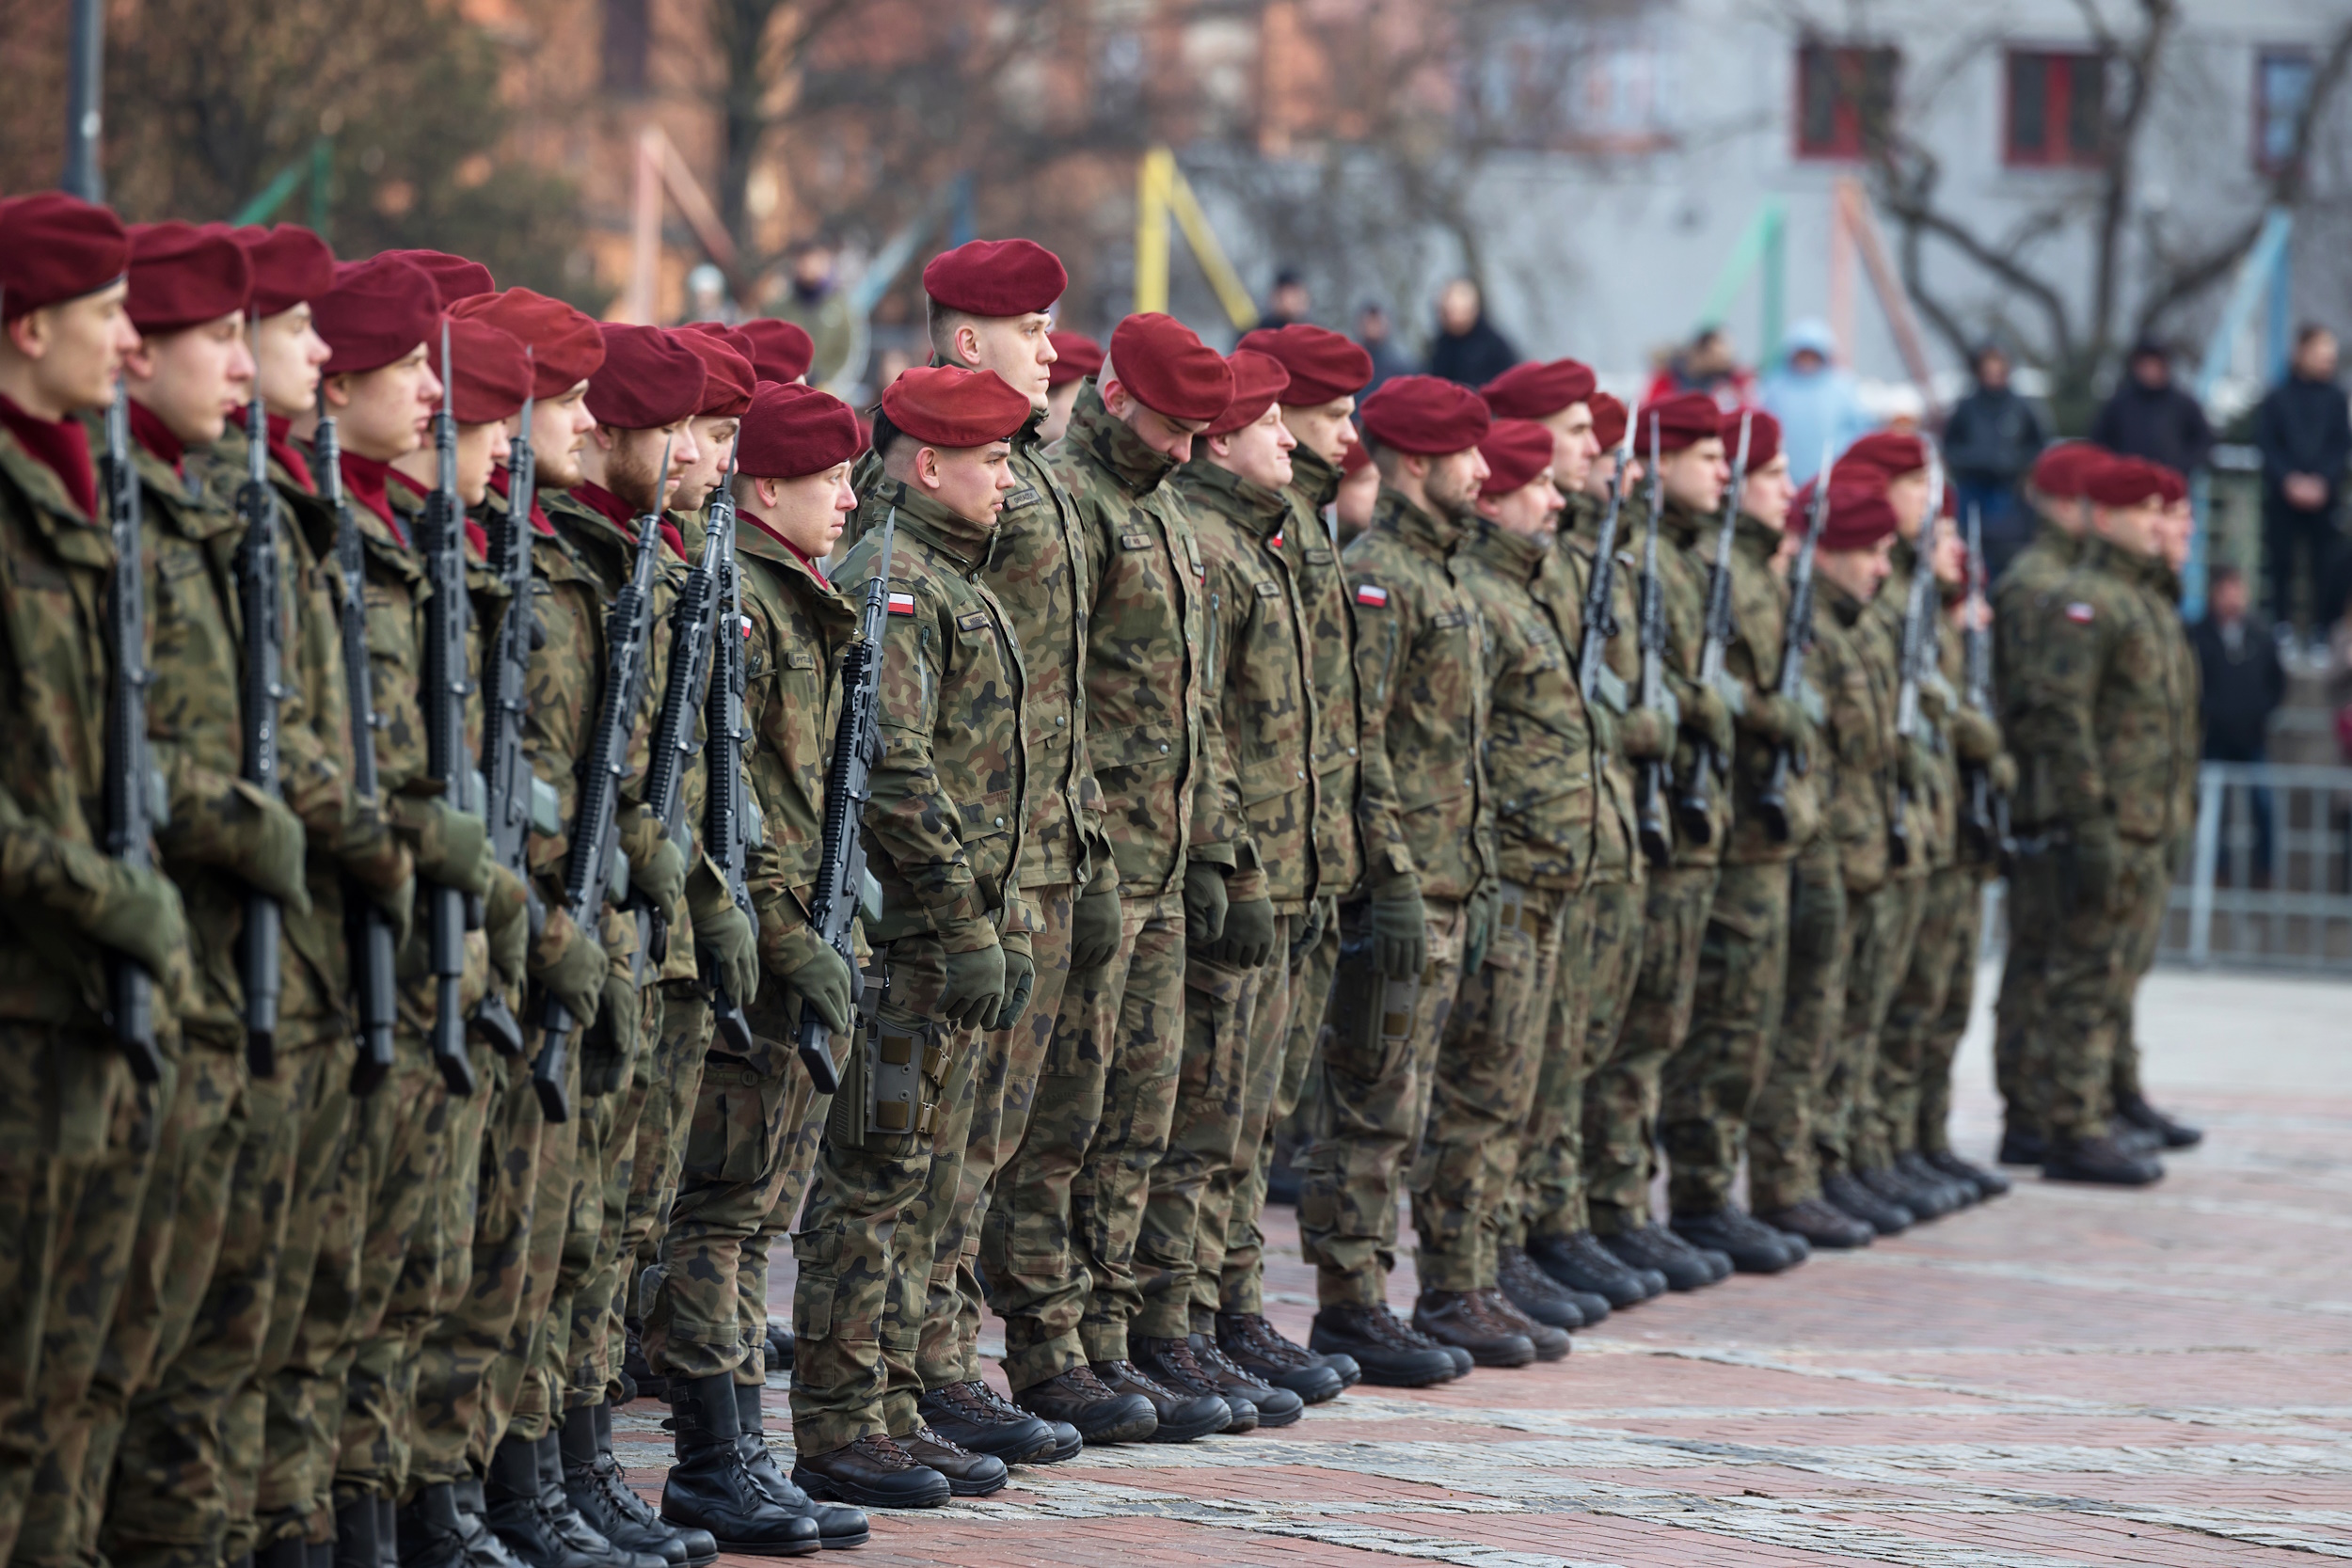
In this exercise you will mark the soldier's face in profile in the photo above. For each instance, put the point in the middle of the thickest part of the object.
(480, 448)
(1171, 438)
(1325, 429)
(559, 429)
(1696, 476)
(1259, 451)
(1532, 511)
(1359, 492)
(970, 482)
(1769, 493)
(1018, 348)
(809, 511)
(386, 413)
(1574, 447)
(1907, 493)
(288, 357)
(1454, 482)
(714, 439)
(75, 349)
(194, 379)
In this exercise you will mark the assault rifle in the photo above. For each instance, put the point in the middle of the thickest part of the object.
(730, 815)
(263, 655)
(856, 747)
(1706, 763)
(674, 743)
(596, 861)
(1988, 807)
(130, 786)
(449, 762)
(1600, 621)
(1650, 784)
(1917, 656)
(374, 962)
(1771, 802)
(511, 793)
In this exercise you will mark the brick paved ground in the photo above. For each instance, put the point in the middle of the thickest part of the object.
(2066, 1376)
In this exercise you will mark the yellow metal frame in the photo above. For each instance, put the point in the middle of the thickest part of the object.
(1161, 193)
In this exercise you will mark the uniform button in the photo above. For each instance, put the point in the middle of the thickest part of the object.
(1059, 720)
(1163, 748)
(1000, 821)
(1351, 751)
(1302, 772)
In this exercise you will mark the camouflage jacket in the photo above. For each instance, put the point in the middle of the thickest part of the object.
(1682, 581)
(1261, 666)
(54, 589)
(951, 803)
(1151, 725)
(1930, 816)
(1421, 670)
(799, 626)
(1306, 544)
(1539, 745)
(1759, 630)
(1614, 856)
(2095, 702)
(2186, 676)
(2048, 555)
(1848, 766)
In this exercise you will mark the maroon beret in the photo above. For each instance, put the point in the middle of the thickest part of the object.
(1355, 457)
(780, 350)
(791, 430)
(997, 278)
(566, 344)
(1258, 380)
(1533, 389)
(290, 263)
(1682, 421)
(489, 375)
(648, 379)
(1324, 365)
(455, 278)
(1168, 368)
(2124, 481)
(1075, 358)
(1608, 419)
(2175, 486)
(1858, 515)
(1763, 436)
(2058, 473)
(942, 405)
(183, 277)
(728, 380)
(378, 311)
(1887, 450)
(1425, 416)
(1516, 450)
(54, 247)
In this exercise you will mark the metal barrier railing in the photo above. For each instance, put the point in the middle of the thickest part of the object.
(2267, 883)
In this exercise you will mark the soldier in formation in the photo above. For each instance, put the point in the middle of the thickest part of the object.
(514, 814)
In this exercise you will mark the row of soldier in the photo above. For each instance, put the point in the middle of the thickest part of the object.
(1548, 832)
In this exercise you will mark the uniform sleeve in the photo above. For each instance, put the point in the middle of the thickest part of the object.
(1220, 835)
(1385, 626)
(1855, 735)
(2052, 717)
(911, 820)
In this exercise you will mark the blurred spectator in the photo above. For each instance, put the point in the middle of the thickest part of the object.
(707, 296)
(2149, 417)
(2304, 429)
(1816, 403)
(1706, 364)
(813, 301)
(1377, 337)
(2244, 684)
(1468, 348)
(1989, 443)
(1289, 302)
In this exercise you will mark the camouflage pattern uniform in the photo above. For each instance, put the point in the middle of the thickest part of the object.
(1520, 1020)
(1236, 1021)
(1428, 815)
(1621, 1114)
(78, 1131)
(1710, 1083)
(1976, 742)
(1059, 1246)
(945, 832)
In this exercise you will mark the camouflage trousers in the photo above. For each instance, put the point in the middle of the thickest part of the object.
(78, 1141)
(1305, 993)
(2035, 911)
(1482, 1090)
(1059, 1243)
(599, 1261)
(1881, 927)
(2146, 930)
(687, 1028)
(516, 1398)
(1550, 1197)
(868, 1229)
(1551, 1134)
(1379, 1069)
(1943, 958)
(1621, 1100)
(1711, 1082)
(805, 1114)
(1930, 1130)
(1004, 1089)
(2089, 976)
(1783, 1167)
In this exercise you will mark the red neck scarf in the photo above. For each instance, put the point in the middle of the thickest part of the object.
(816, 567)
(62, 447)
(364, 480)
(155, 435)
(615, 511)
(500, 478)
(289, 456)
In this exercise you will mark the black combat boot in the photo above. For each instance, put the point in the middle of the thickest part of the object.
(1460, 1318)
(711, 1488)
(1256, 1346)
(2099, 1160)
(1819, 1224)
(1583, 1265)
(969, 1474)
(1989, 1183)
(1391, 1354)
(528, 1512)
(638, 1381)
(1275, 1407)
(1183, 1413)
(1914, 1165)
(970, 1416)
(1099, 1415)
(838, 1525)
(1685, 1267)
(2024, 1146)
(2135, 1109)
(295, 1552)
(1536, 1293)
(780, 1345)
(388, 1534)
(593, 1481)
(358, 1536)
(1848, 1195)
(1551, 1344)
(1753, 1248)
(483, 1550)
(1892, 1186)
(872, 1472)
(431, 1533)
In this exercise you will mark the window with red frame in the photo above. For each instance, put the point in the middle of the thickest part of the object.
(2056, 109)
(1845, 96)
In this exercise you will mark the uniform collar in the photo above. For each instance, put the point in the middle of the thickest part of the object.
(1111, 446)
(1841, 604)
(966, 541)
(1757, 540)
(1514, 556)
(1312, 479)
(61, 446)
(1247, 505)
(1425, 530)
(1681, 525)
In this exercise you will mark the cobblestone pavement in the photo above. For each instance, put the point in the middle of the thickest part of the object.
(2065, 1376)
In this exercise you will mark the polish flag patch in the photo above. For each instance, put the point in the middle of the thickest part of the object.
(1276, 541)
(901, 604)
(746, 626)
(1371, 593)
(2081, 614)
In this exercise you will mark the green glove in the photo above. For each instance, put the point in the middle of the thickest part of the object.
(607, 1050)
(1400, 929)
(267, 844)
(1907, 769)
(2002, 774)
(1775, 718)
(1706, 715)
(1248, 940)
(1020, 977)
(1643, 735)
(454, 850)
(1204, 903)
(1095, 924)
(506, 921)
(137, 913)
(1975, 738)
(975, 988)
(1317, 920)
(1481, 913)
(726, 933)
(2098, 863)
(822, 983)
(659, 878)
(570, 966)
